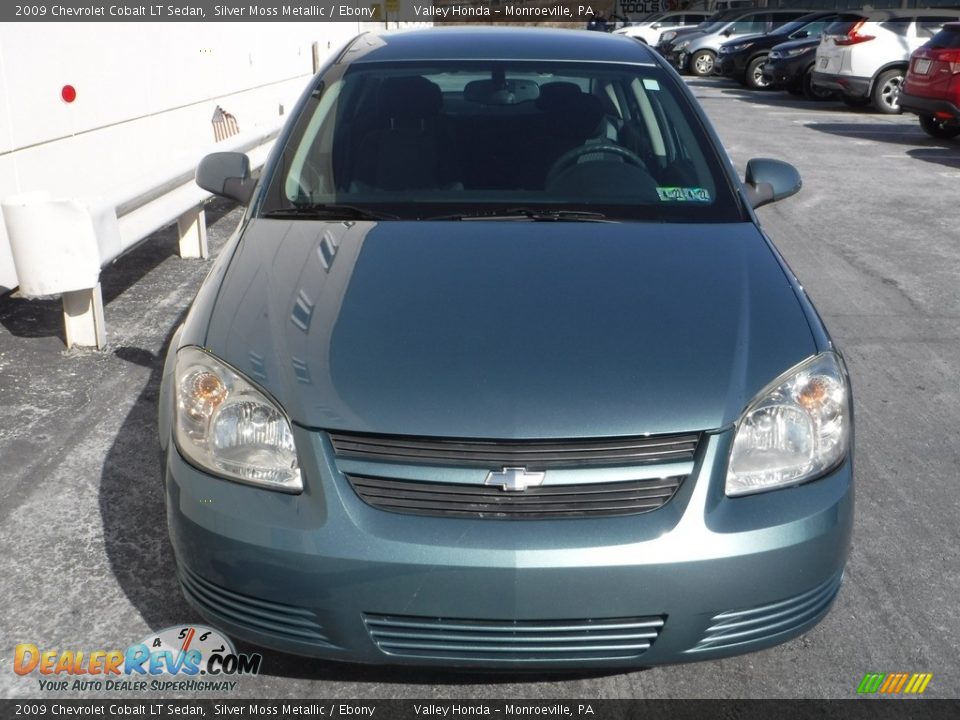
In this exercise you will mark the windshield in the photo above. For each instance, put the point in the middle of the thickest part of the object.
(541, 140)
(650, 19)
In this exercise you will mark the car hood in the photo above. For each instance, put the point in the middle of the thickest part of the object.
(686, 34)
(508, 329)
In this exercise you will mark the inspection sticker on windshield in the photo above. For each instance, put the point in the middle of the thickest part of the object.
(651, 84)
(683, 194)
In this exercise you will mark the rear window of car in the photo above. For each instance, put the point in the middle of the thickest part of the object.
(927, 27)
(949, 37)
(427, 140)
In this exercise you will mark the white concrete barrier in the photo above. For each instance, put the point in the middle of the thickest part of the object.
(59, 245)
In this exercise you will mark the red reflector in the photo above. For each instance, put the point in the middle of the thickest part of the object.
(68, 93)
(941, 115)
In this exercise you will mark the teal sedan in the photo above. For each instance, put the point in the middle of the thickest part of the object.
(500, 370)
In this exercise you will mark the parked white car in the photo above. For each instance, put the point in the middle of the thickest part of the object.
(650, 32)
(865, 54)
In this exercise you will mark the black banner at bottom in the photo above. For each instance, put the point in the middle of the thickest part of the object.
(919, 709)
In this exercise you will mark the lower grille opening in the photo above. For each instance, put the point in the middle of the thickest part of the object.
(513, 640)
(262, 616)
(736, 627)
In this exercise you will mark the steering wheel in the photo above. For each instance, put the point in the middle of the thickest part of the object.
(570, 158)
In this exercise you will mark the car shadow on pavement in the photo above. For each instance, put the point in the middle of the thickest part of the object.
(773, 98)
(132, 506)
(778, 99)
(949, 156)
(132, 509)
(924, 147)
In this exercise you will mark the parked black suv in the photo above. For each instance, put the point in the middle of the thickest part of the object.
(743, 58)
(790, 66)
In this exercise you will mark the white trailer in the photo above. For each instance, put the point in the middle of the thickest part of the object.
(89, 109)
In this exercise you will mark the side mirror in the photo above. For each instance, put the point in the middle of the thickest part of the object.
(655, 26)
(727, 32)
(227, 174)
(800, 35)
(768, 181)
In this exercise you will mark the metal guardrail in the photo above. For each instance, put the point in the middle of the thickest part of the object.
(60, 245)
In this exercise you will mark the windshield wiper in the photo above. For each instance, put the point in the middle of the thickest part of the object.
(536, 214)
(327, 211)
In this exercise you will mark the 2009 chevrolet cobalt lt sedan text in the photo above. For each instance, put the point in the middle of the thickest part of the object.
(499, 370)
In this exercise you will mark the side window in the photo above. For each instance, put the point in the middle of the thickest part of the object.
(927, 27)
(815, 29)
(748, 25)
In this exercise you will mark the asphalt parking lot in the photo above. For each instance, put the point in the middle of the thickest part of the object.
(84, 557)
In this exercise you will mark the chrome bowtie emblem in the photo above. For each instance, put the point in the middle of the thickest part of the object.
(514, 479)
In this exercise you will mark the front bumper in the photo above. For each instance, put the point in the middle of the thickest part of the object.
(928, 106)
(732, 65)
(786, 71)
(846, 84)
(677, 58)
(323, 574)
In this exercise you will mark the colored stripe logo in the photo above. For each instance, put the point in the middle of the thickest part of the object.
(894, 683)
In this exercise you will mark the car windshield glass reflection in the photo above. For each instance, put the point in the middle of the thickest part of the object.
(408, 141)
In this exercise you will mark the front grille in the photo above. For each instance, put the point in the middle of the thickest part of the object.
(513, 640)
(262, 616)
(531, 454)
(480, 501)
(736, 627)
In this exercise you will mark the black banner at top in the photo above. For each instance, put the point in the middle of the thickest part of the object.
(603, 14)
(309, 10)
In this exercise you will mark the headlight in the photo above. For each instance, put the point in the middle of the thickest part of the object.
(741, 47)
(668, 36)
(682, 45)
(774, 55)
(227, 426)
(799, 51)
(795, 430)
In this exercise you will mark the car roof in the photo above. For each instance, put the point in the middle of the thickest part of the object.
(484, 43)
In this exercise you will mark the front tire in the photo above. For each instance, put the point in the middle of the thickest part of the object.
(886, 92)
(938, 128)
(754, 79)
(702, 63)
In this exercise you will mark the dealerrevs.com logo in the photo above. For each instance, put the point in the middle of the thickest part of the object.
(180, 658)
